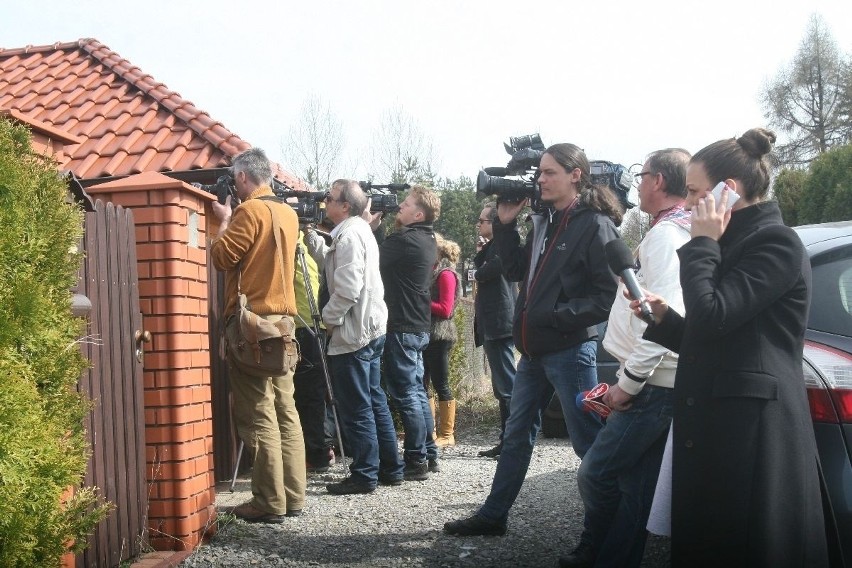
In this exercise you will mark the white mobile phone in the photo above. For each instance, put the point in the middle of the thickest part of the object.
(717, 194)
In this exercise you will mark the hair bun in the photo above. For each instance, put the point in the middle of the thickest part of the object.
(757, 142)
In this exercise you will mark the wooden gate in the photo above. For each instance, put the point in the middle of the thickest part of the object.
(116, 425)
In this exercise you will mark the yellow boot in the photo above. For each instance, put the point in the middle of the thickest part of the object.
(447, 426)
(432, 408)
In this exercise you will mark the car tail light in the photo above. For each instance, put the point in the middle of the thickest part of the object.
(830, 391)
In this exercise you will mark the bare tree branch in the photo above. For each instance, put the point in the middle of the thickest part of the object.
(314, 144)
(809, 100)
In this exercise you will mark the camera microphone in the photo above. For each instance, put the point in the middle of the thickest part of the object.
(620, 261)
(497, 171)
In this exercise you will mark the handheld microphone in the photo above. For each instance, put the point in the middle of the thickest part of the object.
(620, 261)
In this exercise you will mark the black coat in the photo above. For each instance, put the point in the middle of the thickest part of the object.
(406, 260)
(745, 487)
(568, 289)
(495, 297)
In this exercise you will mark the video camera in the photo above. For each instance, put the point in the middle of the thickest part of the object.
(526, 152)
(383, 197)
(223, 187)
(308, 203)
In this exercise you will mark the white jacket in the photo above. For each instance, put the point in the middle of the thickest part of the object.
(356, 313)
(658, 272)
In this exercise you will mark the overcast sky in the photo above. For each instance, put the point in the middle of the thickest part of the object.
(619, 79)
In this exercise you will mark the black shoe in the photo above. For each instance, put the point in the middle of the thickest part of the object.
(434, 466)
(475, 526)
(386, 479)
(492, 453)
(416, 471)
(582, 557)
(293, 513)
(349, 487)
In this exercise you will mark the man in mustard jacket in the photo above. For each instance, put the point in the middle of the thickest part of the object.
(264, 409)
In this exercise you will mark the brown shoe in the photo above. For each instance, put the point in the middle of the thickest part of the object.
(250, 514)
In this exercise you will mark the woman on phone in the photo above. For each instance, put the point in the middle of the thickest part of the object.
(745, 484)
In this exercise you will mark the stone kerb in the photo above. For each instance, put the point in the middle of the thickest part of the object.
(172, 264)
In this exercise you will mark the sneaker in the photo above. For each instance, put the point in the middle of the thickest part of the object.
(250, 514)
(392, 480)
(349, 487)
(475, 526)
(434, 466)
(582, 557)
(492, 453)
(416, 471)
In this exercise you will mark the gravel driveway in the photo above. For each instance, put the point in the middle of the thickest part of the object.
(402, 526)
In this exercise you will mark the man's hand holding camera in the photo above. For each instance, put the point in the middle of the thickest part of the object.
(508, 211)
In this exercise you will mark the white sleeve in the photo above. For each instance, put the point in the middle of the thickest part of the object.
(660, 274)
(348, 280)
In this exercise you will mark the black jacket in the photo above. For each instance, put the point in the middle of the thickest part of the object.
(567, 290)
(745, 489)
(495, 297)
(406, 260)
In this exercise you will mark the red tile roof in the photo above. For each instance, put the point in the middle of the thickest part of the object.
(130, 123)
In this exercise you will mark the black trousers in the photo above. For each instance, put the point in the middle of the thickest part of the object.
(310, 398)
(436, 368)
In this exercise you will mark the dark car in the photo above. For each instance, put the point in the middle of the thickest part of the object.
(828, 375)
(828, 371)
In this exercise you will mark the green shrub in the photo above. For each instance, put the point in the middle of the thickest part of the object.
(43, 448)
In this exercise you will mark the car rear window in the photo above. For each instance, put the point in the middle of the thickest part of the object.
(831, 302)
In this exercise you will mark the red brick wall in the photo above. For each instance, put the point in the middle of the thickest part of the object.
(173, 301)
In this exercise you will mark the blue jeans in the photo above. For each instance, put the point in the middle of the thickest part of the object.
(618, 477)
(501, 360)
(363, 410)
(404, 381)
(569, 372)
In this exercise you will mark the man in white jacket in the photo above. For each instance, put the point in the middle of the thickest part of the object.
(356, 319)
(619, 472)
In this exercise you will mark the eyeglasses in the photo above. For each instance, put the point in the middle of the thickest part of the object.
(641, 175)
(329, 198)
(481, 221)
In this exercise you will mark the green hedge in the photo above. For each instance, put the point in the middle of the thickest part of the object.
(43, 448)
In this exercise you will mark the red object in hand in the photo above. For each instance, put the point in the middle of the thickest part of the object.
(593, 400)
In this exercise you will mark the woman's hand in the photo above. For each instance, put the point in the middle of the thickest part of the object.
(710, 219)
(658, 305)
(508, 211)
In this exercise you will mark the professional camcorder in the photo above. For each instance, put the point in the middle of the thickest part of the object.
(383, 197)
(526, 152)
(223, 187)
(308, 204)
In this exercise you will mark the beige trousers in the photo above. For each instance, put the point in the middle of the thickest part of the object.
(267, 422)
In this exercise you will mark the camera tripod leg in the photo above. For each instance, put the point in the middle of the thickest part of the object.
(315, 332)
(237, 465)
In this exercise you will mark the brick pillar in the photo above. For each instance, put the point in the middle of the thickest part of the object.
(172, 261)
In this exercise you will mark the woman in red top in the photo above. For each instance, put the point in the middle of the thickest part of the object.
(446, 291)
